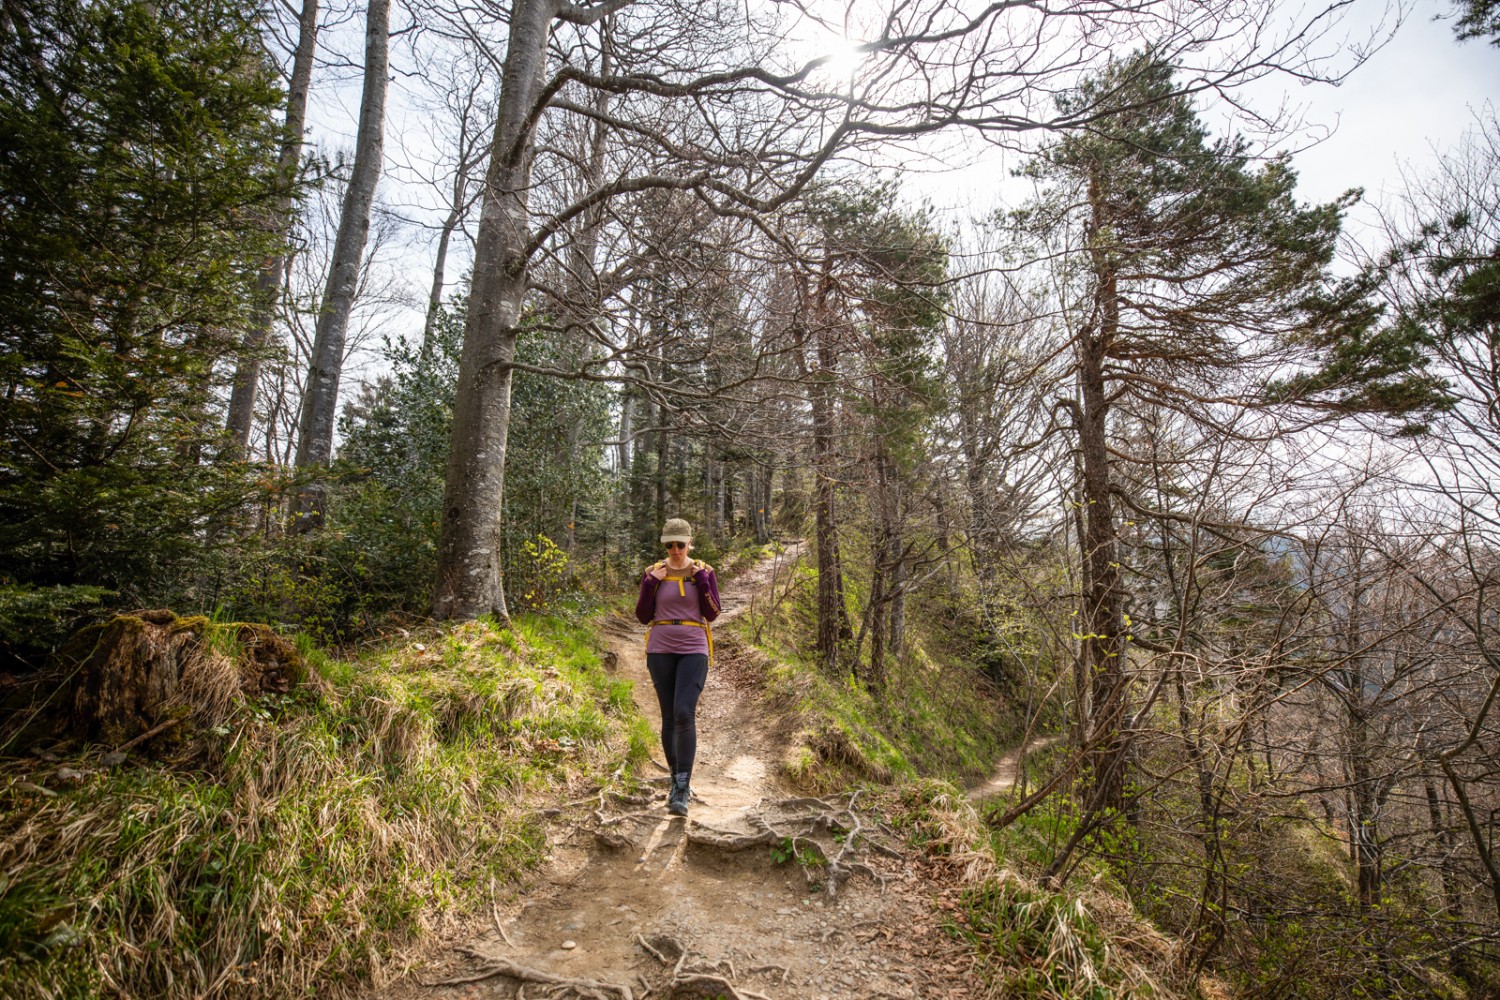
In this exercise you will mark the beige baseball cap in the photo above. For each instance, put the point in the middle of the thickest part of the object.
(676, 530)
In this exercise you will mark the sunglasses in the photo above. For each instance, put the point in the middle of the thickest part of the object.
(677, 545)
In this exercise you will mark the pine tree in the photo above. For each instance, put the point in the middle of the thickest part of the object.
(1186, 264)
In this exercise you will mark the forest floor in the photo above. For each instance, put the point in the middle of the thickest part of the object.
(759, 893)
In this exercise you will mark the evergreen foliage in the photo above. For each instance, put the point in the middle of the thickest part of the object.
(383, 518)
(139, 160)
(1479, 19)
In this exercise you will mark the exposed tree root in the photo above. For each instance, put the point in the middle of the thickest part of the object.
(562, 986)
(795, 827)
(692, 978)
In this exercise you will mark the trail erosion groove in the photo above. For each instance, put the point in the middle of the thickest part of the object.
(760, 894)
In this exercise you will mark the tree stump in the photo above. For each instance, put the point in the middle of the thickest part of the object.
(136, 672)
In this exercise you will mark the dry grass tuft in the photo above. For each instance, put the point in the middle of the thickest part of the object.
(304, 842)
(1032, 942)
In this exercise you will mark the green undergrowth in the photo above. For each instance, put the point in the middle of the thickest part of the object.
(1034, 943)
(1076, 942)
(941, 724)
(304, 845)
(938, 717)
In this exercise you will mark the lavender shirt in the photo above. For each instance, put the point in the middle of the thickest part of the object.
(695, 598)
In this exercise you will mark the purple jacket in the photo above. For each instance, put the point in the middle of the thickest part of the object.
(708, 593)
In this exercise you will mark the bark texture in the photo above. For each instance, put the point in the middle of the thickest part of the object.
(268, 285)
(469, 556)
(320, 393)
(1102, 645)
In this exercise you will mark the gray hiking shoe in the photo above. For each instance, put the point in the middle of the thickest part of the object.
(677, 801)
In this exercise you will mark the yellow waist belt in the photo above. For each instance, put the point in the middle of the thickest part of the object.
(684, 621)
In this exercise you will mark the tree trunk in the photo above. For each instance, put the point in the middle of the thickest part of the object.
(435, 296)
(1443, 835)
(1364, 819)
(268, 285)
(663, 446)
(627, 426)
(1209, 928)
(763, 530)
(896, 559)
(470, 579)
(580, 306)
(721, 499)
(708, 491)
(833, 617)
(320, 394)
(1103, 651)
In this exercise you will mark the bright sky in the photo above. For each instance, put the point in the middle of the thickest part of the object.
(1407, 104)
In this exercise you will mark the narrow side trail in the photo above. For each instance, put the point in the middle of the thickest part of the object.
(759, 895)
(1008, 769)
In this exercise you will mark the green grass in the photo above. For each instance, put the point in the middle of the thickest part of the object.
(938, 718)
(302, 846)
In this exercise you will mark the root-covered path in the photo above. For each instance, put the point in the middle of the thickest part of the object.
(761, 893)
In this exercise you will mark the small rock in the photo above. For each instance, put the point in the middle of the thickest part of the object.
(569, 945)
(68, 776)
(45, 755)
(114, 758)
(419, 647)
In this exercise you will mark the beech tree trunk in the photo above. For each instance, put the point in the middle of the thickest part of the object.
(268, 286)
(320, 394)
(470, 576)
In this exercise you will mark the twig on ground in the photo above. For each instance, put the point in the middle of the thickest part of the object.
(654, 953)
(780, 969)
(728, 989)
(155, 730)
(499, 926)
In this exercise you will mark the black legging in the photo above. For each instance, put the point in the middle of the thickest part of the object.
(678, 679)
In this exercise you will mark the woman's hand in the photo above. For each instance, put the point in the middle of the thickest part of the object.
(659, 571)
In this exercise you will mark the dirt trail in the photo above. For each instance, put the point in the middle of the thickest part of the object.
(1008, 770)
(635, 902)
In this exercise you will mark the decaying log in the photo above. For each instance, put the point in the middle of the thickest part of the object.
(135, 672)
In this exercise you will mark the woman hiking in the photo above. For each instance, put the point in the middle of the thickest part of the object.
(679, 597)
